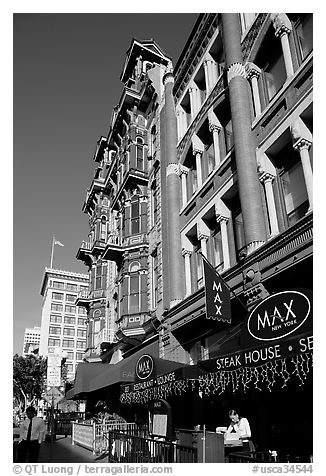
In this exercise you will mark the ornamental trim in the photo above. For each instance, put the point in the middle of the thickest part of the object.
(236, 69)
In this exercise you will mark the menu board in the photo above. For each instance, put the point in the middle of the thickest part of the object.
(160, 424)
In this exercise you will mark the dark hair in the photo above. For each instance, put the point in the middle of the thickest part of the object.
(234, 412)
(30, 409)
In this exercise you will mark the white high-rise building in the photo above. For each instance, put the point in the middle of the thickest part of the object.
(32, 338)
(63, 325)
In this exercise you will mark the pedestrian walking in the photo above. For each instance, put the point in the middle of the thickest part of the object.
(32, 433)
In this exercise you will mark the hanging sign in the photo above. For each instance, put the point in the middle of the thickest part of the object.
(217, 294)
(280, 315)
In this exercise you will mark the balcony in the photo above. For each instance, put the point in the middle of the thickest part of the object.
(116, 245)
(97, 185)
(84, 253)
(85, 297)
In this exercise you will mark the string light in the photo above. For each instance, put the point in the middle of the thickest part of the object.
(242, 378)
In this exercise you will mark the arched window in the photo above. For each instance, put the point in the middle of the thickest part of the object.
(140, 153)
(134, 288)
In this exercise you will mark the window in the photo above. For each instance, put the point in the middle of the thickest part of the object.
(55, 318)
(67, 343)
(246, 20)
(154, 202)
(238, 230)
(69, 320)
(70, 309)
(81, 321)
(81, 344)
(140, 153)
(82, 310)
(275, 76)
(68, 331)
(71, 297)
(135, 220)
(81, 332)
(134, 288)
(294, 193)
(218, 254)
(54, 330)
(98, 276)
(70, 355)
(84, 288)
(70, 367)
(58, 284)
(71, 287)
(79, 355)
(228, 134)
(54, 342)
(57, 296)
(56, 307)
(304, 34)
(103, 228)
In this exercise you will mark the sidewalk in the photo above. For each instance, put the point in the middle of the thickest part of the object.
(62, 451)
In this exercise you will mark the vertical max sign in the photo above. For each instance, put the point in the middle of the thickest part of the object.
(218, 300)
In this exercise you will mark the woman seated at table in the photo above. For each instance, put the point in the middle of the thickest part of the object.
(240, 425)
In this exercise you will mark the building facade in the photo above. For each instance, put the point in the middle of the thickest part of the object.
(32, 338)
(63, 324)
(210, 157)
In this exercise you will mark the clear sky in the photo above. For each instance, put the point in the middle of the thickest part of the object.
(65, 84)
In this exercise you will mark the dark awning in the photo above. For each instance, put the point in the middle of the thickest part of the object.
(124, 371)
(70, 394)
(84, 373)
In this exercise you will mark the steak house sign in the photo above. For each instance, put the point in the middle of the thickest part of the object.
(279, 327)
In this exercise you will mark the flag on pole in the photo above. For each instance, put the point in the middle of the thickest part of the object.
(217, 293)
(56, 242)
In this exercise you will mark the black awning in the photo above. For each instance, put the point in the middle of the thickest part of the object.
(84, 374)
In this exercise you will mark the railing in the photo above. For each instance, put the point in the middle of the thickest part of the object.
(83, 434)
(250, 457)
(124, 447)
(114, 239)
(86, 245)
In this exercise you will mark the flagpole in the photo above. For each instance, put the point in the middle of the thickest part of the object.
(51, 263)
(226, 284)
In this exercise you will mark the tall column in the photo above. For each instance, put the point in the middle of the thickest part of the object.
(283, 27)
(215, 129)
(253, 73)
(194, 100)
(248, 182)
(302, 140)
(186, 254)
(198, 155)
(267, 180)
(176, 274)
(184, 172)
(223, 221)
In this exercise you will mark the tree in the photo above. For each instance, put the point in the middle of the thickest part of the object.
(29, 374)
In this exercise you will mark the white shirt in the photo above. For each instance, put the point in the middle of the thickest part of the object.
(38, 429)
(242, 428)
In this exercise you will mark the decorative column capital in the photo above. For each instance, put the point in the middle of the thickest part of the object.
(196, 151)
(172, 169)
(266, 177)
(186, 252)
(252, 71)
(236, 69)
(302, 144)
(202, 236)
(221, 218)
(183, 170)
(168, 77)
(281, 24)
(213, 127)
